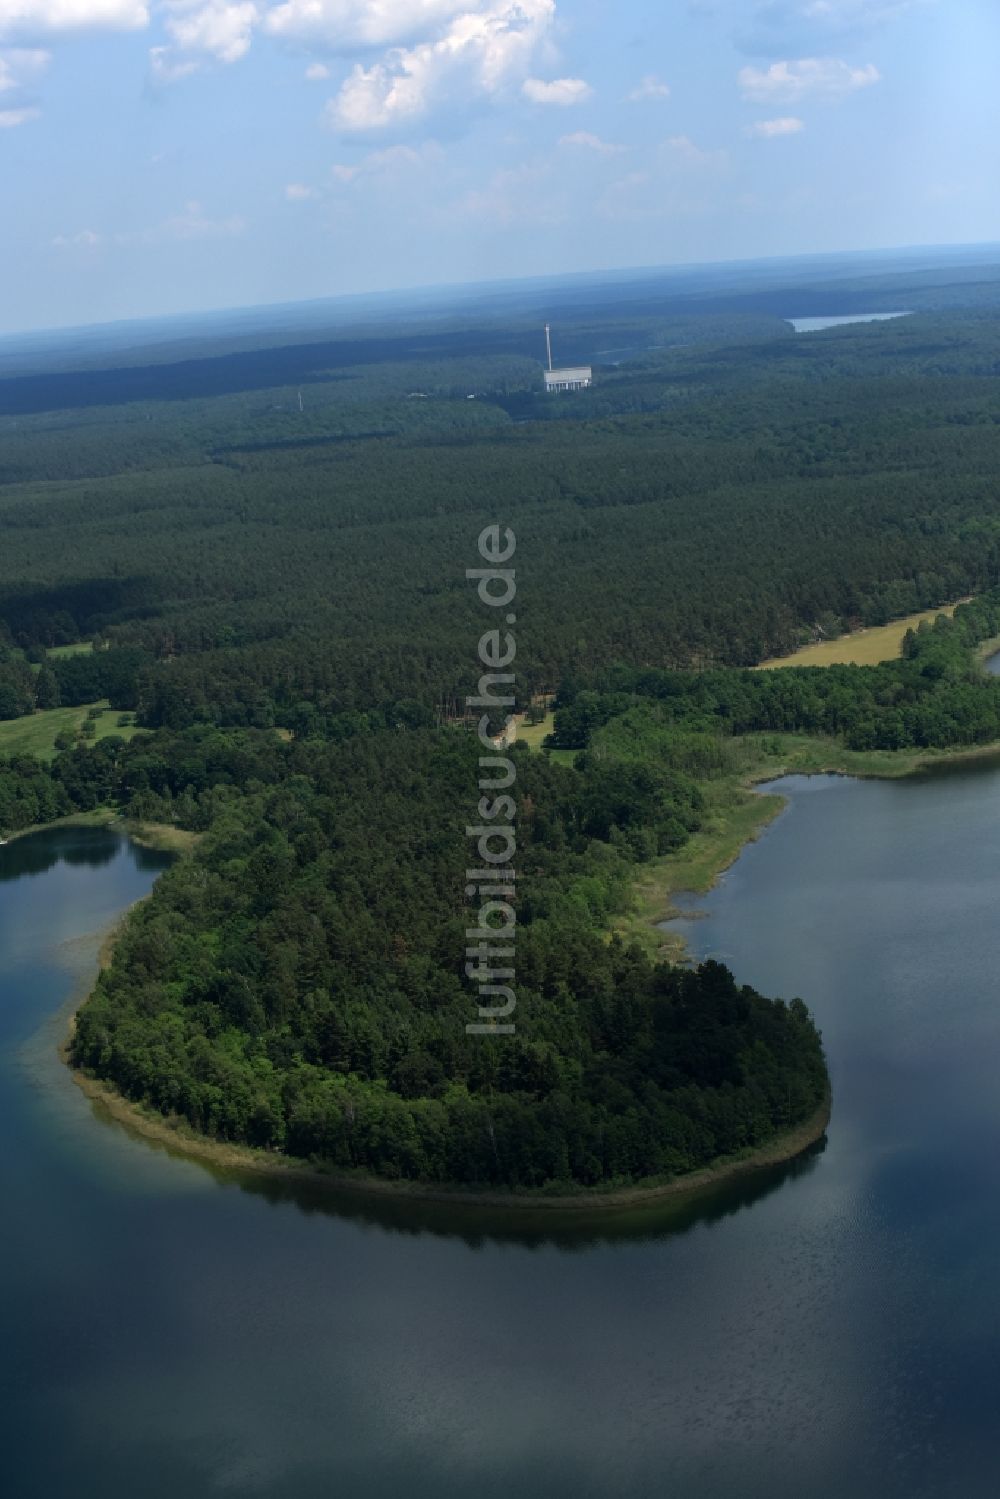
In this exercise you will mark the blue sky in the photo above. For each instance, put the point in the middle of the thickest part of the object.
(173, 155)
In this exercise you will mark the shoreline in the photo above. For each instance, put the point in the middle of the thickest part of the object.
(177, 1137)
(731, 839)
(100, 818)
(697, 867)
(155, 835)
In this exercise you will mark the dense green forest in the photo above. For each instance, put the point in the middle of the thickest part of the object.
(276, 588)
(298, 983)
(935, 696)
(731, 496)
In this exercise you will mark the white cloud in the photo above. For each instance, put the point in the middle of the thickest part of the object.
(375, 97)
(476, 55)
(588, 142)
(85, 239)
(221, 29)
(168, 65)
(202, 31)
(790, 23)
(632, 197)
(11, 118)
(679, 180)
(649, 87)
(19, 67)
(682, 184)
(770, 129)
(351, 26)
(393, 159)
(409, 56)
(44, 18)
(681, 150)
(298, 192)
(559, 91)
(807, 77)
(850, 13)
(19, 64)
(525, 194)
(191, 224)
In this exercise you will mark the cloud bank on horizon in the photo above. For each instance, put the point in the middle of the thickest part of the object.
(314, 129)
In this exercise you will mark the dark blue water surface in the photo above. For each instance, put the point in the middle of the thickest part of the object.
(828, 1330)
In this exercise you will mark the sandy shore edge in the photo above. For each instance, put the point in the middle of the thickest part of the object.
(177, 1137)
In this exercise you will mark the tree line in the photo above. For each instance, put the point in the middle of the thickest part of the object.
(937, 694)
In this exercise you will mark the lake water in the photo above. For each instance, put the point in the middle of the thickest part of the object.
(830, 1329)
(816, 324)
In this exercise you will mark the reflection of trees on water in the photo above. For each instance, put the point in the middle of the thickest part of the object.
(150, 858)
(93, 847)
(534, 1228)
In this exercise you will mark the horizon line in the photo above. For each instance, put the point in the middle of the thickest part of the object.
(424, 289)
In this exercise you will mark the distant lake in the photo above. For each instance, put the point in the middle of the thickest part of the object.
(816, 324)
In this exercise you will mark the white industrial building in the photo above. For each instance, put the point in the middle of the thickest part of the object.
(570, 379)
(579, 377)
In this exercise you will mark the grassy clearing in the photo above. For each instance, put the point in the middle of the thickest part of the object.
(37, 733)
(162, 836)
(81, 648)
(59, 652)
(861, 648)
(532, 734)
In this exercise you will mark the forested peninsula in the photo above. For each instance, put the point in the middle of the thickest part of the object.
(277, 992)
(256, 625)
